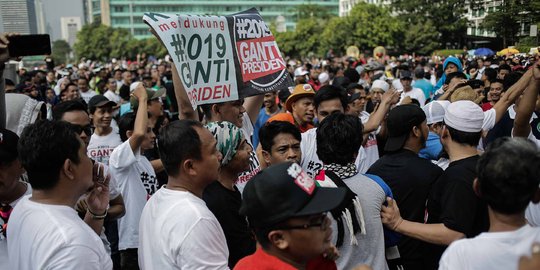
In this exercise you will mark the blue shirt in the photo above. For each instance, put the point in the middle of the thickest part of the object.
(433, 147)
(261, 120)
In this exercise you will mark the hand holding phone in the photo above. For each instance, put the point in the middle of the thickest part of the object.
(25, 45)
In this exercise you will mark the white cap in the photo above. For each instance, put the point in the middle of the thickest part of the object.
(301, 71)
(464, 115)
(132, 86)
(435, 111)
(323, 77)
(380, 84)
(397, 84)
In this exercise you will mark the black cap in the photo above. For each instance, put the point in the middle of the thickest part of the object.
(99, 101)
(354, 97)
(8, 146)
(399, 123)
(405, 74)
(283, 191)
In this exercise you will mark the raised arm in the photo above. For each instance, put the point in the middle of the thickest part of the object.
(526, 107)
(510, 96)
(184, 106)
(253, 106)
(141, 119)
(388, 99)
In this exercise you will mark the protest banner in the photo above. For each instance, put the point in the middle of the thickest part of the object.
(222, 58)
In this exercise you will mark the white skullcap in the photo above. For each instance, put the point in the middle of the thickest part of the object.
(301, 71)
(132, 86)
(397, 84)
(380, 84)
(464, 115)
(435, 111)
(323, 77)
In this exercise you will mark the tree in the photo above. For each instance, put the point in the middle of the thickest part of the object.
(306, 11)
(366, 27)
(60, 51)
(447, 16)
(507, 19)
(421, 38)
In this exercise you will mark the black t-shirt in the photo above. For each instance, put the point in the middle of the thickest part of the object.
(454, 203)
(410, 178)
(225, 204)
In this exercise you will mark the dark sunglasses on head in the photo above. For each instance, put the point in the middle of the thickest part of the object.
(78, 129)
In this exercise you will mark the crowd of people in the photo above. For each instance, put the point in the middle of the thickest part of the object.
(364, 163)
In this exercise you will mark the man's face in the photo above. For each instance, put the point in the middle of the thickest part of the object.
(306, 244)
(232, 111)
(155, 107)
(126, 76)
(285, 148)
(406, 82)
(111, 85)
(72, 93)
(102, 117)
(269, 100)
(495, 91)
(328, 107)
(82, 120)
(502, 73)
(207, 168)
(376, 95)
(83, 85)
(118, 75)
(303, 110)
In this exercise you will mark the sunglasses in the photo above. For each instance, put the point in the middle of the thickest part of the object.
(78, 129)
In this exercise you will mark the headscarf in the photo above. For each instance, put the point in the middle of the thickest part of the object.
(448, 60)
(228, 137)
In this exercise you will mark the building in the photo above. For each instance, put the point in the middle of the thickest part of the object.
(18, 16)
(476, 14)
(128, 14)
(345, 6)
(69, 27)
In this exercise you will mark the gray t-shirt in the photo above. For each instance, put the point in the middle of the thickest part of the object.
(370, 249)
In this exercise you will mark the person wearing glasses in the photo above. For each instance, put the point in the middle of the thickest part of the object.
(105, 137)
(76, 114)
(286, 210)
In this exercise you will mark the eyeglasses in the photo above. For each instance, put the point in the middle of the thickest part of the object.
(318, 221)
(78, 129)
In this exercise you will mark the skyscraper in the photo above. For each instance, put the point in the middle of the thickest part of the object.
(18, 16)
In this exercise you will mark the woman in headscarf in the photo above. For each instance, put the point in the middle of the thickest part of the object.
(222, 197)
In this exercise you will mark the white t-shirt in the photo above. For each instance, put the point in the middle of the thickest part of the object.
(46, 236)
(4, 263)
(311, 163)
(532, 214)
(489, 119)
(86, 96)
(254, 165)
(496, 250)
(100, 148)
(112, 96)
(415, 93)
(137, 181)
(371, 148)
(178, 231)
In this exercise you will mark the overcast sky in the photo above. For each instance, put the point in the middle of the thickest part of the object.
(54, 9)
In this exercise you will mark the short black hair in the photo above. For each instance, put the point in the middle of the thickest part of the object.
(329, 92)
(505, 67)
(462, 137)
(456, 74)
(419, 73)
(491, 74)
(61, 108)
(283, 95)
(43, 148)
(352, 86)
(9, 82)
(339, 136)
(177, 142)
(126, 123)
(509, 174)
(71, 84)
(270, 130)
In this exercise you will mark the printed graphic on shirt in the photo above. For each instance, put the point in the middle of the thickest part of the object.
(150, 183)
(101, 153)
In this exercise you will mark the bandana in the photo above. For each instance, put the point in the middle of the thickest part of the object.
(228, 137)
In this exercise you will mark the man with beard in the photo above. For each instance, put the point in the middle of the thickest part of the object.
(300, 107)
(410, 177)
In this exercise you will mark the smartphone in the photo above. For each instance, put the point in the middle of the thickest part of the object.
(25, 45)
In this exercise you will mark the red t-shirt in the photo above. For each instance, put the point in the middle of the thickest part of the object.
(486, 106)
(261, 260)
(288, 117)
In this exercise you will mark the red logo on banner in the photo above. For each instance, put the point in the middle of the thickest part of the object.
(259, 57)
